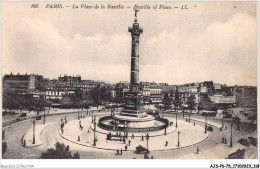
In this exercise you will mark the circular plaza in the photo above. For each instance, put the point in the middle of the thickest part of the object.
(85, 132)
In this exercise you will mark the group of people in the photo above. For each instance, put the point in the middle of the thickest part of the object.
(224, 140)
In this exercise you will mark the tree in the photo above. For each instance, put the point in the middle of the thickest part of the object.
(166, 101)
(66, 102)
(236, 120)
(206, 104)
(191, 103)
(176, 101)
(60, 152)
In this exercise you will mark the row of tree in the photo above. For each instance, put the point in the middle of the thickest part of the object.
(14, 100)
(173, 99)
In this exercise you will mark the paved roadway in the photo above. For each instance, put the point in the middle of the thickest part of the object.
(209, 149)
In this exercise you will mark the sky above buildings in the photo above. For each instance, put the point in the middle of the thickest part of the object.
(208, 41)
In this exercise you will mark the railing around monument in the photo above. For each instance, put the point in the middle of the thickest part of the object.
(129, 129)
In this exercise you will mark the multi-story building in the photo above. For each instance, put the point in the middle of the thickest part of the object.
(121, 89)
(19, 83)
(220, 99)
(70, 80)
(155, 95)
(58, 92)
(209, 86)
(88, 85)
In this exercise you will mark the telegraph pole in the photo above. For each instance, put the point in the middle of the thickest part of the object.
(231, 144)
(44, 116)
(205, 124)
(94, 132)
(147, 138)
(33, 132)
(178, 139)
(176, 120)
(92, 116)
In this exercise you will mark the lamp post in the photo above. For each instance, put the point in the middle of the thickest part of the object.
(147, 138)
(44, 116)
(33, 132)
(231, 144)
(178, 139)
(205, 124)
(189, 117)
(92, 117)
(126, 129)
(176, 120)
(94, 132)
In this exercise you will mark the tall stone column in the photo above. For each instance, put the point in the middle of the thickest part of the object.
(135, 33)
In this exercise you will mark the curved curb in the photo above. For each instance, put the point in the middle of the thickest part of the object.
(139, 136)
(129, 150)
(40, 135)
(87, 145)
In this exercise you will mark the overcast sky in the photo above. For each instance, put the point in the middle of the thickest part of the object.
(209, 41)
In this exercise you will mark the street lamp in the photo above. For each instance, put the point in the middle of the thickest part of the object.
(178, 139)
(147, 138)
(176, 120)
(92, 116)
(94, 132)
(44, 116)
(189, 117)
(231, 145)
(205, 124)
(33, 132)
(222, 122)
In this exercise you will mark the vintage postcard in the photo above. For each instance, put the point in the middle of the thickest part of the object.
(130, 80)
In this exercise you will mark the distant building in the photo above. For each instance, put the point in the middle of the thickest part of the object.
(88, 85)
(57, 93)
(19, 83)
(209, 86)
(121, 90)
(155, 95)
(70, 80)
(219, 99)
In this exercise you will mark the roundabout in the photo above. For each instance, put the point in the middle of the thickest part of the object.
(186, 134)
(190, 138)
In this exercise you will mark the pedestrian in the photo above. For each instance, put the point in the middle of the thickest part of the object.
(198, 150)
(194, 124)
(132, 136)
(129, 142)
(124, 140)
(152, 157)
(119, 134)
(166, 143)
(142, 138)
(24, 143)
(222, 140)
(125, 147)
(121, 151)
(117, 151)
(225, 140)
(78, 138)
